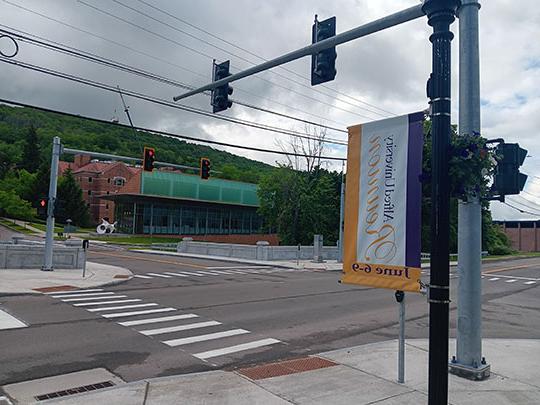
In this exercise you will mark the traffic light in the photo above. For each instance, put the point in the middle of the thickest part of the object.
(508, 180)
(220, 95)
(42, 207)
(323, 64)
(149, 159)
(205, 168)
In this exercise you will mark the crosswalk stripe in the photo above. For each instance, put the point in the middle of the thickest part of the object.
(237, 348)
(178, 328)
(140, 276)
(73, 291)
(122, 307)
(238, 271)
(209, 272)
(236, 267)
(176, 274)
(511, 281)
(222, 272)
(82, 295)
(159, 275)
(203, 338)
(86, 304)
(107, 297)
(155, 320)
(530, 282)
(192, 273)
(494, 279)
(146, 311)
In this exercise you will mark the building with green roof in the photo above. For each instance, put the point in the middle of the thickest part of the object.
(175, 203)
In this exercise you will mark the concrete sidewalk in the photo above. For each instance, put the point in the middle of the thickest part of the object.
(24, 281)
(329, 265)
(358, 375)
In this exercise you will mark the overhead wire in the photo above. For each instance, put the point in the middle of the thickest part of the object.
(78, 53)
(167, 134)
(523, 204)
(163, 102)
(522, 211)
(262, 58)
(162, 60)
(112, 15)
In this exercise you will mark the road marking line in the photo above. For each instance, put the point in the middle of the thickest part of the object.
(85, 304)
(236, 267)
(236, 348)
(151, 332)
(141, 276)
(222, 272)
(238, 272)
(191, 273)
(159, 275)
(511, 281)
(209, 272)
(82, 295)
(108, 297)
(73, 291)
(8, 321)
(155, 320)
(494, 279)
(147, 311)
(153, 260)
(202, 338)
(530, 282)
(122, 307)
(518, 277)
(509, 268)
(176, 274)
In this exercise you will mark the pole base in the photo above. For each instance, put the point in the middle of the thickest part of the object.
(470, 373)
(47, 268)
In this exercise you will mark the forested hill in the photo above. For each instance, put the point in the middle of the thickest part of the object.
(79, 133)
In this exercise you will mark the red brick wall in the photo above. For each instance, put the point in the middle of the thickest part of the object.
(523, 239)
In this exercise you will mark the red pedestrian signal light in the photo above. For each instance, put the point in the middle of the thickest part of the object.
(205, 168)
(42, 207)
(148, 159)
(43, 203)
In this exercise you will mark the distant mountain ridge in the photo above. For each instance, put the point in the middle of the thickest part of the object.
(79, 133)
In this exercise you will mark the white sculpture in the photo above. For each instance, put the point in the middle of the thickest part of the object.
(106, 227)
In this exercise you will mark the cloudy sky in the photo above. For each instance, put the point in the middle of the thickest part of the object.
(378, 76)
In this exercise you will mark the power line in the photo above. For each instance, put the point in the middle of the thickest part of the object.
(522, 211)
(525, 205)
(213, 58)
(264, 59)
(162, 60)
(92, 57)
(167, 134)
(159, 101)
(531, 194)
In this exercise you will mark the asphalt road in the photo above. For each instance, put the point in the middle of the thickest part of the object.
(208, 314)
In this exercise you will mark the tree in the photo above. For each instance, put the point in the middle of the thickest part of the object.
(31, 155)
(70, 198)
(13, 206)
(40, 188)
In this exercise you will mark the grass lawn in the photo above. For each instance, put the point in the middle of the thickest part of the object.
(43, 227)
(15, 227)
(138, 240)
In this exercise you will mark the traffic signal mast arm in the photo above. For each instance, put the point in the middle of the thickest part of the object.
(391, 20)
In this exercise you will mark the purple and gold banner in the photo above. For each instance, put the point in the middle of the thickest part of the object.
(383, 204)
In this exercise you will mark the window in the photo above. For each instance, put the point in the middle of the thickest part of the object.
(119, 181)
(89, 192)
(108, 180)
(107, 206)
(89, 179)
(108, 192)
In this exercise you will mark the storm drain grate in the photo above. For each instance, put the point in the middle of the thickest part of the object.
(286, 367)
(76, 390)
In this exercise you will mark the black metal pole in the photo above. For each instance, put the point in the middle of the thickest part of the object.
(440, 13)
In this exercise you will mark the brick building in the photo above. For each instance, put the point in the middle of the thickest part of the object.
(169, 202)
(98, 179)
(524, 235)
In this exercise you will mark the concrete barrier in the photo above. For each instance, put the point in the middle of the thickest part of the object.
(261, 251)
(24, 255)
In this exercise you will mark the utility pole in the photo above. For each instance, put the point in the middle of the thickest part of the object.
(341, 213)
(468, 361)
(440, 13)
(49, 236)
